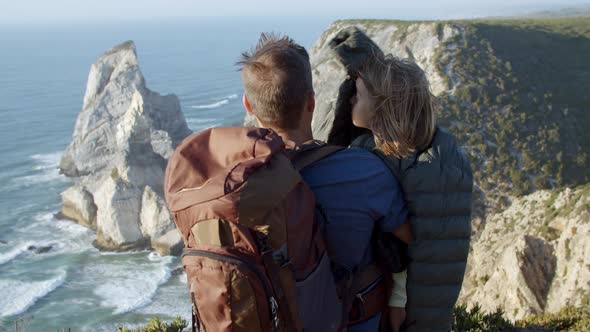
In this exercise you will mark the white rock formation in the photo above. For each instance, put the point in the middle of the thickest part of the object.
(170, 243)
(115, 87)
(78, 205)
(117, 218)
(121, 141)
(534, 257)
(155, 218)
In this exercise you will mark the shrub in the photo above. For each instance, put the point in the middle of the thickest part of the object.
(476, 320)
(156, 325)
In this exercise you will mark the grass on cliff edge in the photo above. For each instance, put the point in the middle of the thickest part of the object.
(472, 320)
(522, 105)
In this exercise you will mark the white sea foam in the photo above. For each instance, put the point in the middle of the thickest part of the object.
(212, 105)
(44, 217)
(71, 228)
(66, 236)
(200, 124)
(13, 253)
(220, 102)
(45, 161)
(46, 169)
(154, 256)
(171, 301)
(42, 220)
(67, 227)
(131, 288)
(18, 296)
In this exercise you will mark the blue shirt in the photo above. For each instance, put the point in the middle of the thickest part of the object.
(356, 190)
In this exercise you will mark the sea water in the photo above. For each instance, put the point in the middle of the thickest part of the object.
(43, 73)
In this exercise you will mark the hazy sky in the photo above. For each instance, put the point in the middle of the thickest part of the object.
(42, 11)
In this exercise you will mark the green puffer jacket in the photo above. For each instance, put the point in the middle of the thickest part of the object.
(437, 185)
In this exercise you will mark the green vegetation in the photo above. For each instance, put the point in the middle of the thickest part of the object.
(477, 321)
(521, 105)
(474, 320)
(568, 319)
(156, 325)
(115, 174)
(580, 201)
(583, 194)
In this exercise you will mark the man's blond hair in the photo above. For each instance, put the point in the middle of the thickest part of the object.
(277, 80)
(404, 119)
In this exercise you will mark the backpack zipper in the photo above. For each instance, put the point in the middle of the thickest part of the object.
(273, 304)
(369, 288)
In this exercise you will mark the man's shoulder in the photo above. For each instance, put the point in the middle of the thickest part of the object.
(354, 155)
(352, 162)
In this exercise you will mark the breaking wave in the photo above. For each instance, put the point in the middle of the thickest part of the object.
(128, 289)
(216, 104)
(14, 252)
(45, 169)
(18, 296)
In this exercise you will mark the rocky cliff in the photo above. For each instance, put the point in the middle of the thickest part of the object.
(512, 92)
(534, 256)
(121, 141)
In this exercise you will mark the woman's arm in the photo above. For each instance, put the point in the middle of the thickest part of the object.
(404, 232)
(398, 298)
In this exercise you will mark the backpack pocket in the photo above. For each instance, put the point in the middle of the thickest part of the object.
(230, 293)
(319, 308)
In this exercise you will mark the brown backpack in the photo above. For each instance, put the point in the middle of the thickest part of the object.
(254, 252)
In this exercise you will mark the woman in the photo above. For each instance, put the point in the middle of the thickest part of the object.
(393, 101)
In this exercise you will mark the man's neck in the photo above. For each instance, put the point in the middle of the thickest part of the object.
(298, 136)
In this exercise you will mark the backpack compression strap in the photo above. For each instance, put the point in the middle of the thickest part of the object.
(309, 153)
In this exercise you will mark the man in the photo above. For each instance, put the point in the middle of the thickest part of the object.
(354, 187)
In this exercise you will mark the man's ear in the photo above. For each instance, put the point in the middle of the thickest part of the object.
(310, 103)
(247, 104)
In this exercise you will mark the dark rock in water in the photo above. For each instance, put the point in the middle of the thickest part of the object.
(177, 271)
(40, 250)
(3, 242)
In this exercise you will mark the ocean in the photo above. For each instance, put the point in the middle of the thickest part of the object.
(43, 73)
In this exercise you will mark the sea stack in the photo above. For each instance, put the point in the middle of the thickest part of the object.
(122, 138)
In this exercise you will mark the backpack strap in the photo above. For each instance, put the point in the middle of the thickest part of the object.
(308, 153)
(272, 267)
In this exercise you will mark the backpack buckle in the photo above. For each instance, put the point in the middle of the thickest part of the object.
(280, 256)
(361, 305)
(274, 310)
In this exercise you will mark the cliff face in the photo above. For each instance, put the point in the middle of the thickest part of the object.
(512, 92)
(534, 256)
(122, 138)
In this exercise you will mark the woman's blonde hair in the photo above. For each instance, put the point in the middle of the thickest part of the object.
(404, 119)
